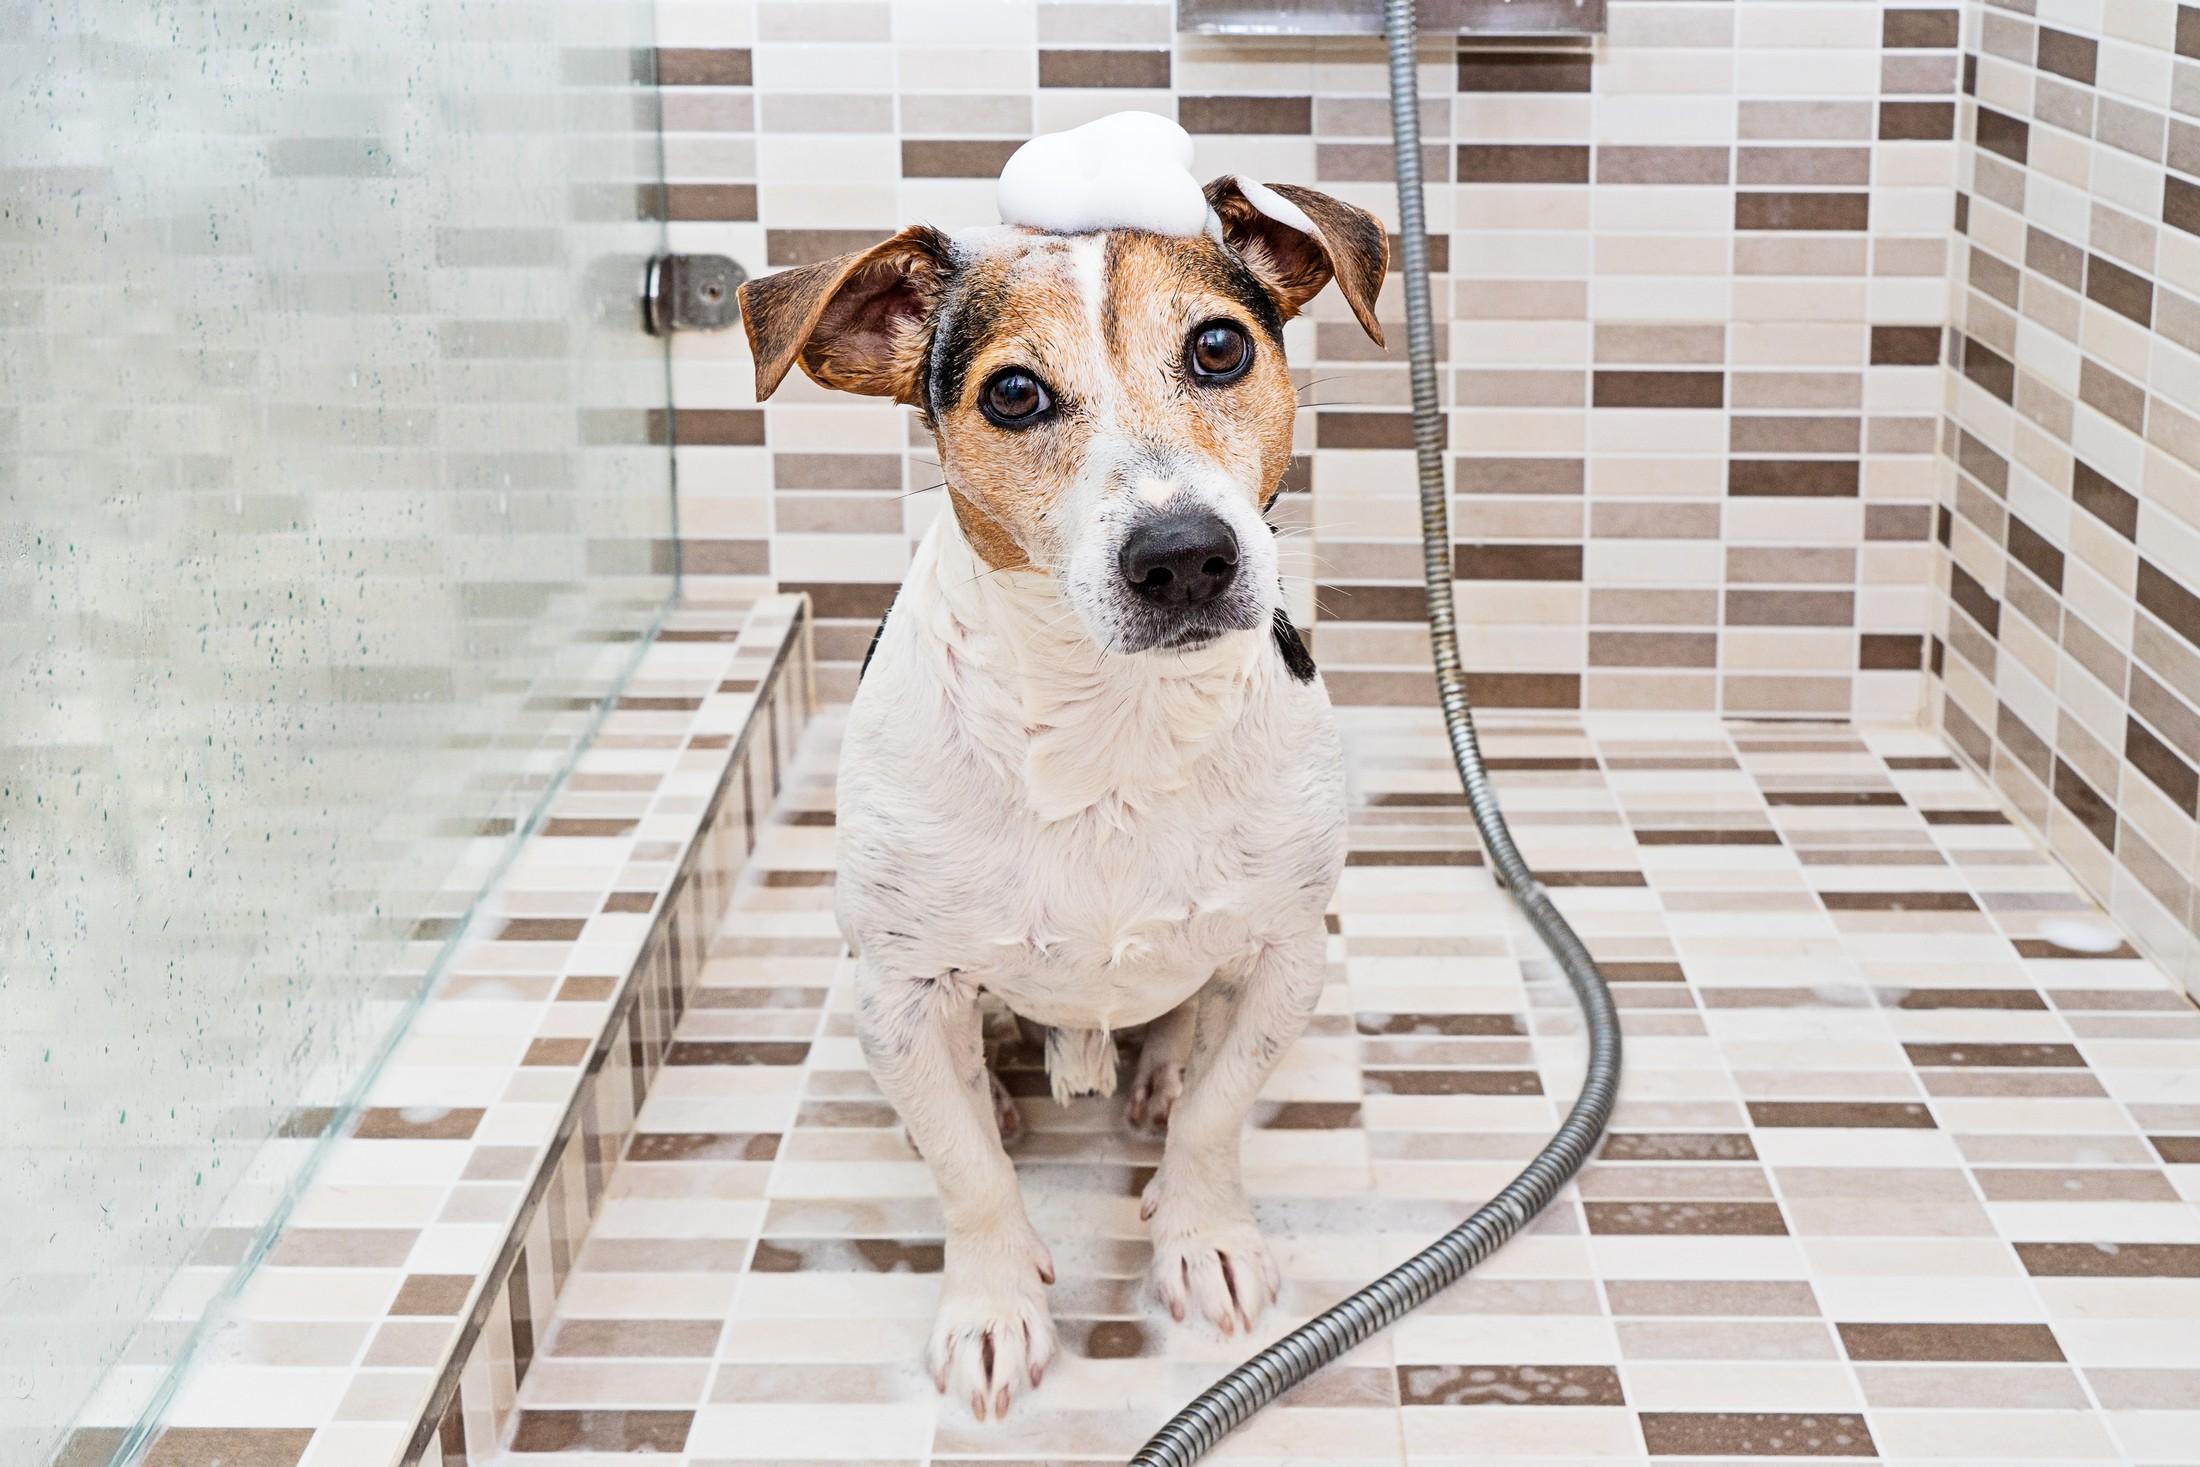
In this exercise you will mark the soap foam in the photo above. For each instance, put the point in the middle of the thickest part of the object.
(1128, 170)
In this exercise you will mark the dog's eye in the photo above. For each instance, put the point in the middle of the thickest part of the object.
(1219, 351)
(1013, 399)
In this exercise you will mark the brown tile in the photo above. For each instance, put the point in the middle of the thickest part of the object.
(2067, 55)
(1523, 163)
(809, 246)
(2162, 765)
(1509, 1385)
(1677, 1146)
(2177, 1150)
(1905, 346)
(1918, 29)
(424, 1123)
(1722, 1219)
(2111, 1260)
(303, 1247)
(1518, 475)
(1989, 369)
(1363, 430)
(1310, 1115)
(1752, 1298)
(1815, 211)
(1807, 167)
(1886, 1115)
(432, 1293)
(555, 1052)
(1998, 132)
(2009, 1342)
(2117, 396)
(602, 1431)
(1124, 69)
(1452, 1082)
(228, 1446)
(1516, 562)
(1524, 689)
(955, 157)
(1975, 599)
(1927, 999)
(1524, 71)
(686, 66)
(1635, 389)
(1621, 164)
(2122, 291)
(2035, 553)
(1653, 649)
(648, 1339)
(90, 1446)
(2176, 605)
(732, 1052)
(859, 1255)
(1707, 837)
(1756, 1434)
(1792, 478)
(707, 1146)
(1285, 115)
(2181, 204)
(710, 202)
(1790, 608)
(1916, 121)
(710, 427)
(2092, 808)
(1995, 1056)
(1890, 652)
(1451, 1026)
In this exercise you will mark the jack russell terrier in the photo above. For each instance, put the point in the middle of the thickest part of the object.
(1092, 771)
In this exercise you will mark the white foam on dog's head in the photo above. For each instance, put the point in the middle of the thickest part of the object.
(1128, 170)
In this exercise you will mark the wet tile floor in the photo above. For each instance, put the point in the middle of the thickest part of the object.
(1895, 1175)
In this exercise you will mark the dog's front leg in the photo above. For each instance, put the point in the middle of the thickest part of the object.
(1208, 1257)
(922, 1039)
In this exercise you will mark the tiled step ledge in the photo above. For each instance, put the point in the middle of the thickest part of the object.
(393, 1320)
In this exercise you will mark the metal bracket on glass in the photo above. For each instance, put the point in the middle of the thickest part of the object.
(1365, 17)
(691, 293)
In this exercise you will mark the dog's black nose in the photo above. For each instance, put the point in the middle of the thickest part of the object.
(1180, 559)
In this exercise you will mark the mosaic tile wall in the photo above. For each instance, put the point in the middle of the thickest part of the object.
(2069, 637)
(1696, 277)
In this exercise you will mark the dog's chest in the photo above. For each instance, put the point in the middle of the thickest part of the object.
(1099, 920)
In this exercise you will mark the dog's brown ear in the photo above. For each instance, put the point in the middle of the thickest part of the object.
(858, 323)
(1346, 244)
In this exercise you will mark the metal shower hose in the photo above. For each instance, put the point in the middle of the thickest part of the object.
(1230, 1401)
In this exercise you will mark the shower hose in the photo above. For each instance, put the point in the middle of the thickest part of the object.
(1230, 1401)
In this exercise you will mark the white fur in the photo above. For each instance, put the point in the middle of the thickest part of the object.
(1102, 840)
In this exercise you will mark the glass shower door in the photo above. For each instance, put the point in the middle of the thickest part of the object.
(330, 517)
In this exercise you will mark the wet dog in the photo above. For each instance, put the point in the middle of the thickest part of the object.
(1091, 770)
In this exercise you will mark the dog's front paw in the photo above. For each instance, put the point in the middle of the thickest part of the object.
(993, 1336)
(1212, 1264)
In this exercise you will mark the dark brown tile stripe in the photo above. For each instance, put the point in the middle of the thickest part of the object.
(1841, 1114)
(1523, 163)
(1450, 1026)
(1947, 1342)
(1756, 1434)
(1283, 115)
(1994, 1056)
(1704, 1219)
(1802, 211)
(1451, 1082)
(228, 1446)
(2111, 1260)
(734, 1052)
(696, 67)
(1677, 1146)
(602, 1431)
(1707, 837)
(1524, 71)
(710, 202)
(1622, 389)
(1104, 69)
(1509, 1385)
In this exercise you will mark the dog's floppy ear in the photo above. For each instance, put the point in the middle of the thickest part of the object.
(1296, 240)
(858, 323)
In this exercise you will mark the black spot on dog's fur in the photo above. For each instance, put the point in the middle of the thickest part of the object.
(1296, 659)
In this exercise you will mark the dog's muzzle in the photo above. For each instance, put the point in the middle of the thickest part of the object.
(1179, 559)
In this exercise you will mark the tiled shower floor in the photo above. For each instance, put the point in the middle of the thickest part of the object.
(1893, 1175)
